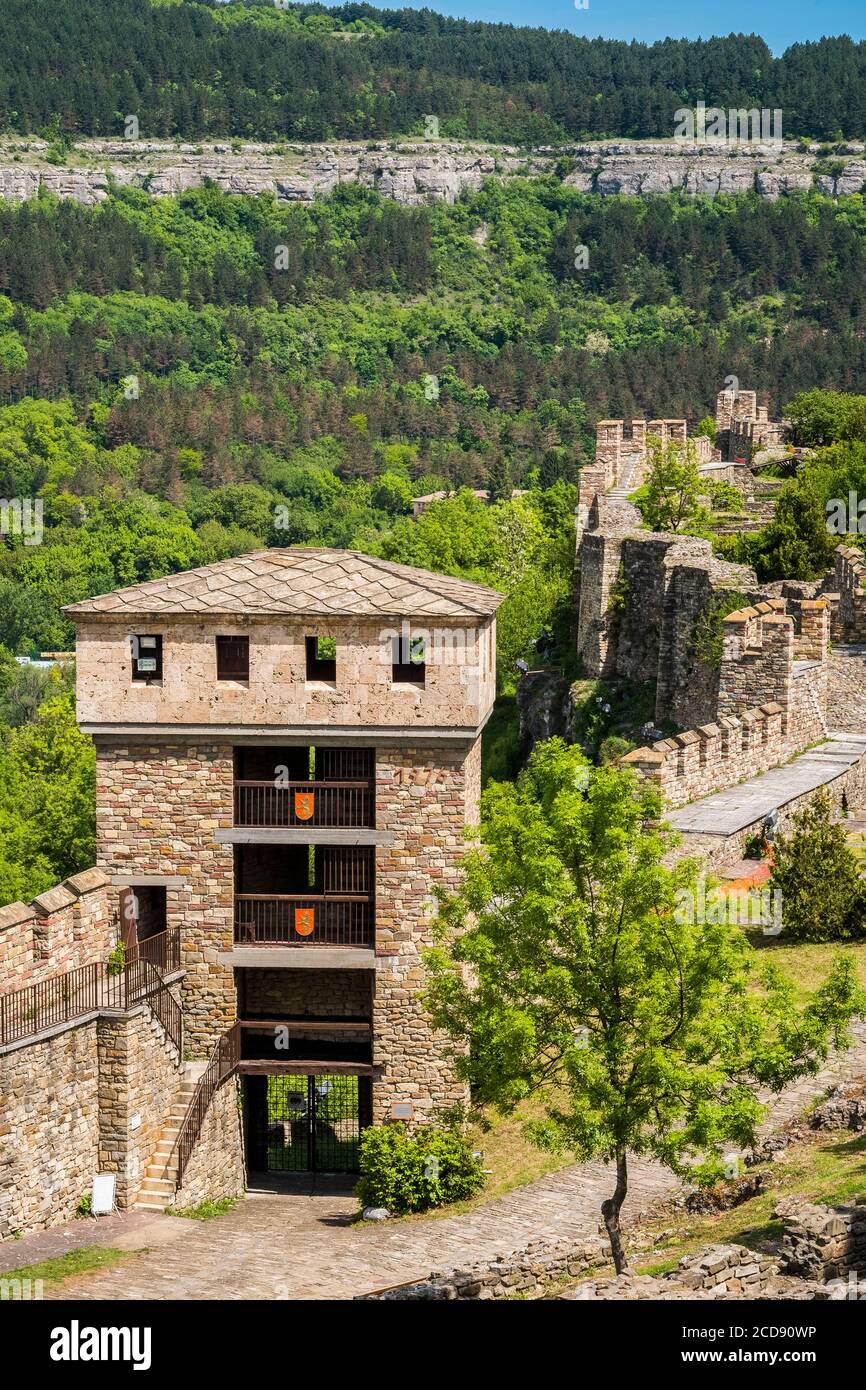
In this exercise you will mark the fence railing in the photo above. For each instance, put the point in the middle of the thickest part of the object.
(311, 920)
(86, 990)
(223, 1062)
(328, 805)
(162, 950)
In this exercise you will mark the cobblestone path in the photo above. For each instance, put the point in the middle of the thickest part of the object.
(302, 1245)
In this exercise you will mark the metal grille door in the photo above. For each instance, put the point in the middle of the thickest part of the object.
(308, 1124)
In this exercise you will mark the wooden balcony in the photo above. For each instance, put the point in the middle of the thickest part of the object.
(281, 919)
(297, 805)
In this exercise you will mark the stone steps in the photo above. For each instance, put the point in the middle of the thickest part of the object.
(160, 1174)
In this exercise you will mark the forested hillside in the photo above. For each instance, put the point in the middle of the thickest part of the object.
(186, 379)
(308, 73)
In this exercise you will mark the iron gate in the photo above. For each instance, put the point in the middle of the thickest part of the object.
(305, 1124)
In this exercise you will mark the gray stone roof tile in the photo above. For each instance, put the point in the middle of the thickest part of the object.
(306, 581)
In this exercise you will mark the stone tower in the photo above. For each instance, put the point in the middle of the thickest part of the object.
(288, 752)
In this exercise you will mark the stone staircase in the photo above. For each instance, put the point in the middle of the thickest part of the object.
(160, 1180)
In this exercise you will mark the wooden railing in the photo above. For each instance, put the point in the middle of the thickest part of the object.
(311, 920)
(223, 1062)
(87, 990)
(327, 805)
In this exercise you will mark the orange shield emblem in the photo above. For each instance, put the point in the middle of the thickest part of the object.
(305, 921)
(305, 805)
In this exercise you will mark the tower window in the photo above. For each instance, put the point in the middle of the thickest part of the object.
(146, 658)
(321, 659)
(408, 660)
(233, 658)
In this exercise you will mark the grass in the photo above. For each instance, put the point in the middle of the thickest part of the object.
(826, 1170)
(807, 963)
(207, 1210)
(85, 1261)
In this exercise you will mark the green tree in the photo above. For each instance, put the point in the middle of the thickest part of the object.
(566, 961)
(669, 498)
(822, 892)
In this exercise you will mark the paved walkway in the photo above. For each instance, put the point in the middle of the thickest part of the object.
(727, 812)
(301, 1244)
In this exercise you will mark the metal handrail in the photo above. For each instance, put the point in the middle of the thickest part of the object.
(223, 1062)
(90, 989)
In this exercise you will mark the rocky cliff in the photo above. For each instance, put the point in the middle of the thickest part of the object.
(421, 172)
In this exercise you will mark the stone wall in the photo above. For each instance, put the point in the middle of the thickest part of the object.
(459, 686)
(74, 924)
(216, 1167)
(157, 808)
(425, 797)
(851, 585)
(825, 1243)
(88, 1098)
(49, 1129)
(139, 1074)
(725, 1269)
(743, 426)
(769, 707)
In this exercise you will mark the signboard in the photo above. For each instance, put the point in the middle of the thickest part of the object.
(305, 805)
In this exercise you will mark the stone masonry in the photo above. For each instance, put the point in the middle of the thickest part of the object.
(426, 802)
(158, 805)
(68, 926)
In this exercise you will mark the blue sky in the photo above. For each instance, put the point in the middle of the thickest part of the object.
(780, 22)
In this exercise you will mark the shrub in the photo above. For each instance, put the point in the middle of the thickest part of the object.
(817, 874)
(413, 1171)
(116, 960)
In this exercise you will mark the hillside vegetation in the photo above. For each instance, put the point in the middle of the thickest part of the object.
(355, 72)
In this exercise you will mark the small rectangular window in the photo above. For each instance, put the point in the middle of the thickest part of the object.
(408, 660)
(146, 658)
(233, 658)
(321, 659)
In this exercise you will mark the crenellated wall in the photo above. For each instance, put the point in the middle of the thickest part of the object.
(851, 583)
(73, 924)
(772, 696)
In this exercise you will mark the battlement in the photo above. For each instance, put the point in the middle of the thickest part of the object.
(743, 426)
(772, 692)
(850, 569)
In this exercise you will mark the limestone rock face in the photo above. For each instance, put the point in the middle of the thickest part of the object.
(418, 172)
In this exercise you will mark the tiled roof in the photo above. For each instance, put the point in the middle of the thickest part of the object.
(304, 581)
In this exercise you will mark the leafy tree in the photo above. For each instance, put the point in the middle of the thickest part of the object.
(669, 498)
(566, 961)
(823, 895)
(796, 544)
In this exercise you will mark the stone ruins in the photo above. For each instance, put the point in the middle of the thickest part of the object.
(742, 672)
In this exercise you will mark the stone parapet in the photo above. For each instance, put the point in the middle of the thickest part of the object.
(73, 924)
(851, 584)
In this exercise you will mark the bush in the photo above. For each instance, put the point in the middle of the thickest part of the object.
(816, 871)
(398, 1170)
(116, 960)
